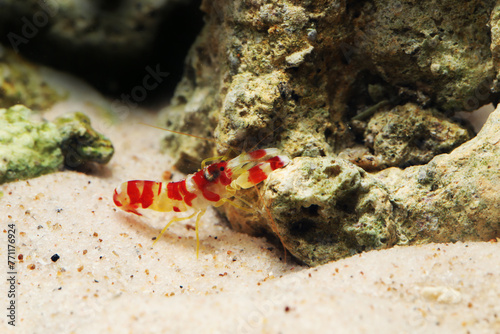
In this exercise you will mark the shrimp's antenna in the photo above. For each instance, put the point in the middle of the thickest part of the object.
(265, 137)
(180, 133)
(191, 135)
(213, 140)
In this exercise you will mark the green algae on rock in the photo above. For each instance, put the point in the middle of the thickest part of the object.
(455, 197)
(324, 58)
(440, 50)
(409, 135)
(258, 83)
(323, 209)
(295, 74)
(27, 148)
(22, 83)
(328, 208)
(80, 143)
(30, 148)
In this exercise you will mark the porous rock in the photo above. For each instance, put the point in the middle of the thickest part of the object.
(328, 208)
(410, 135)
(455, 196)
(30, 147)
(27, 148)
(293, 75)
(22, 83)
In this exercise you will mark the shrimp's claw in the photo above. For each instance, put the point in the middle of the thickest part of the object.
(252, 172)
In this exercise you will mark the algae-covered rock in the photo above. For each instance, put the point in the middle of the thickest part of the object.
(295, 75)
(455, 197)
(440, 50)
(22, 83)
(327, 208)
(263, 86)
(408, 135)
(30, 147)
(404, 136)
(27, 148)
(80, 143)
(323, 209)
(309, 67)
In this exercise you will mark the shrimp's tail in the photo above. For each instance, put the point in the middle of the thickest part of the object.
(136, 194)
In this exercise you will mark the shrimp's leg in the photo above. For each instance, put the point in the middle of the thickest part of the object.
(175, 219)
(217, 158)
(197, 234)
(246, 202)
(226, 200)
(210, 160)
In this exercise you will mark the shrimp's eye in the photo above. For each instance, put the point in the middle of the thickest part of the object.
(212, 173)
(221, 168)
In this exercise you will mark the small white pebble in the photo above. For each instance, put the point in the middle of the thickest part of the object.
(441, 294)
(297, 58)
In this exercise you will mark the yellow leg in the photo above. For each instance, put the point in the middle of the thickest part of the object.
(218, 158)
(176, 219)
(226, 200)
(246, 203)
(197, 234)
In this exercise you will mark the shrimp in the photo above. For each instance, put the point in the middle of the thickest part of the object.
(213, 185)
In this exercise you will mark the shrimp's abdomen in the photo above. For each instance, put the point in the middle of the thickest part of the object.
(138, 194)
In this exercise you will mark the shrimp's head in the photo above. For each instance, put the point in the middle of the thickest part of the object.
(218, 173)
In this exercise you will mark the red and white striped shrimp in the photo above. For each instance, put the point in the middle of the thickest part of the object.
(213, 185)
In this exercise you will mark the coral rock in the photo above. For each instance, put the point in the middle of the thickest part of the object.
(30, 148)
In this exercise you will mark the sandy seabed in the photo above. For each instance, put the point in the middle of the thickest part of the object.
(110, 279)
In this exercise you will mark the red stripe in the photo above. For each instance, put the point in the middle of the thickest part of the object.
(257, 154)
(275, 163)
(210, 195)
(202, 183)
(256, 175)
(173, 191)
(133, 210)
(160, 184)
(188, 197)
(133, 191)
(147, 194)
(176, 209)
